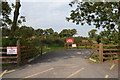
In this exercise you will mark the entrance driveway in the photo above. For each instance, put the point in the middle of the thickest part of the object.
(65, 64)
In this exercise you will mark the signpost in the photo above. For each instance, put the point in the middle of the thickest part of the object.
(11, 50)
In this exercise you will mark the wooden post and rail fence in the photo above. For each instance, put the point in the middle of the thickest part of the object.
(24, 53)
(106, 53)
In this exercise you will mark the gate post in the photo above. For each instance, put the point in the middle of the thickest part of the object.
(18, 53)
(65, 46)
(41, 50)
(77, 45)
(101, 52)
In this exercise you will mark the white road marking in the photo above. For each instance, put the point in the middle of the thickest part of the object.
(3, 73)
(38, 73)
(75, 72)
(106, 76)
(112, 66)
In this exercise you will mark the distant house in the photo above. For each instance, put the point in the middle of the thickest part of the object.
(33, 37)
(84, 41)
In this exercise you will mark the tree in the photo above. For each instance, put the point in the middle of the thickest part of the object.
(92, 34)
(5, 12)
(109, 37)
(16, 14)
(68, 32)
(100, 14)
(64, 33)
(49, 31)
(98, 39)
(5, 32)
(24, 32)
(73, 32)
(56, 34)
(39, 32)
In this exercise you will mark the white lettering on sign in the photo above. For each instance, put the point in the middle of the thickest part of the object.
(11, 50)
(69, 40)
(73, 45)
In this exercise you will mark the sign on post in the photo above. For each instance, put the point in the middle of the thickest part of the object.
(69, 40)
(11, 50)
(74, 45)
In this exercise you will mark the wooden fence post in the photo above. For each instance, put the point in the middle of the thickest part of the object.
(86, 46)
(18, 53)
(91, 50)
(41, 50)
(68, 46)
(77, 45)
(65, 46)
(101, 52)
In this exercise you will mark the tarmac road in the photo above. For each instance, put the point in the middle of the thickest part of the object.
(65, 64)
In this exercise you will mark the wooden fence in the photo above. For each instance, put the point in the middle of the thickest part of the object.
(10, 58)
(24, 53)
(110, 52)
(78, 46)
(105, 53)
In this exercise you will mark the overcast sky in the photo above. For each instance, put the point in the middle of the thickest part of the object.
(51, 14)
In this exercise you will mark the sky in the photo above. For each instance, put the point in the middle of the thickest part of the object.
(51, 14)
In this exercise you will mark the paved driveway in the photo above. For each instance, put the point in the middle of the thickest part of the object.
(65, 64)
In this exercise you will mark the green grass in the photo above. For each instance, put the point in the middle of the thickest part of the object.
(51, 48)
(94, 41)
(79, 47)
(96, 58)
(84, 46)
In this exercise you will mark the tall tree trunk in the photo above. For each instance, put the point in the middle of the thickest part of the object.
(15, 18)
(119, 24)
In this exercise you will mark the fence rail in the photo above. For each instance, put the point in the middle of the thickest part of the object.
(78, 45)
(104, 52)
(111, 45)
(107, 53)
(111, 49)
(7, 58)
(24, 53)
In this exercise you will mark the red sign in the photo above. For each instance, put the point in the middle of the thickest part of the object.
(69, 40)
(11, 50)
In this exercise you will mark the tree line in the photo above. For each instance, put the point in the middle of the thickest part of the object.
(101, 14)
(105, 37)
(42, 36)
(28, 32)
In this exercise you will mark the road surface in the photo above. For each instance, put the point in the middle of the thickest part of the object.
(64, 64)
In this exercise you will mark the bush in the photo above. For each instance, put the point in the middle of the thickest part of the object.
(9, 42)
(58, 42)
(77, 39)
